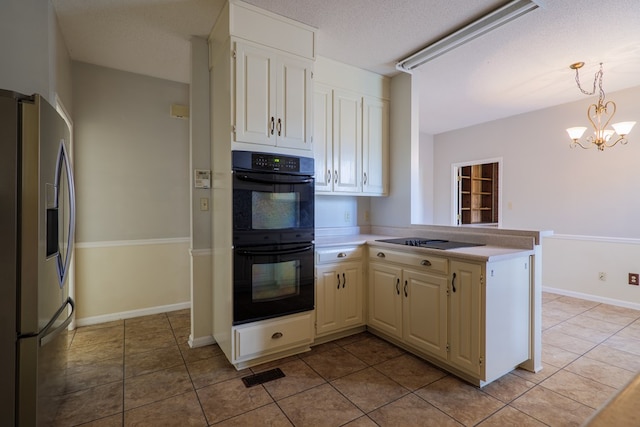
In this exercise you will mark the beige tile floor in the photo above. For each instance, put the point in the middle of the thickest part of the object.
(142, 372)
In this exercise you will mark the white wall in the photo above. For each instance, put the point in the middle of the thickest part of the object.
(34, 56)
(546, 184)
(132, 188)
(588, 198)
(132, 158)
(395, 209)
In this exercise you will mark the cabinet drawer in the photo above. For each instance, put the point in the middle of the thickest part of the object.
(271, 336)
(424, 262)
(338, 254)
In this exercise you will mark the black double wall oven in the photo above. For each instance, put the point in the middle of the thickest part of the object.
(273, 235)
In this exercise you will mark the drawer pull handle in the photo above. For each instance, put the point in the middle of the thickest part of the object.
(342, 255)
(426, 262)
(276, 335)
(380, 255)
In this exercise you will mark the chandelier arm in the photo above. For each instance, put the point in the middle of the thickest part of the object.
(622, 140)
(609, 116)
(575, 143)
(589, 114)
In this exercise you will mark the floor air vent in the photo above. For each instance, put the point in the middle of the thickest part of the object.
(262, 377)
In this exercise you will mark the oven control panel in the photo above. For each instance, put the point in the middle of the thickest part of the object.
(269, 162)
(272, 162)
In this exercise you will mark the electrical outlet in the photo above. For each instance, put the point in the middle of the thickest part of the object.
(204, 204)
(347, 216)
(602, 276)
(367, 218)
(633, 279)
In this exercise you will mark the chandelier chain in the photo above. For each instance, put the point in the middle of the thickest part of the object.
(597, 79)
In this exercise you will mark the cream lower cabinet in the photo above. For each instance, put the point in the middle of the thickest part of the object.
(470, 318)
(409, 303)
(339, 290)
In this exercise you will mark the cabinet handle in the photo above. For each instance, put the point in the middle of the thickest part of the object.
(364, 181)
(398, 286)
(426, 262)
(342, 255)
(338, 275)
(279, 127)
(380, 255)
(335, 176)
(344, 280)
(276, 335)
(453, 282)
(405, 289)
(329, 176)
(273, 125)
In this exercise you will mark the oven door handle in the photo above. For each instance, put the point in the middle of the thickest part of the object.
(280, 252)
(281, 179)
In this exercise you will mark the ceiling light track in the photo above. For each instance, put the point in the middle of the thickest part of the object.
(488, 22)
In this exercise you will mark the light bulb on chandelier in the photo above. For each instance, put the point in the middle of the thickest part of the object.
(599, 115)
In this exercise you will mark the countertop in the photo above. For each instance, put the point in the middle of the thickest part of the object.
(621, 410)
(486, 253)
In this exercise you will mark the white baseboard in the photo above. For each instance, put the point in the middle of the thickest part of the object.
(590, 297)
(94, 320)
(201, 341)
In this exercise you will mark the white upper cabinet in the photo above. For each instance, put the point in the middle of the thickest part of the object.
(347, 142)
(375, 145)
(322, 135)
(273, 98)
(350, 131)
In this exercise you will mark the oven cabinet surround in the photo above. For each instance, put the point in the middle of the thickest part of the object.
(265, 40)
(471, 318)
(273, 102)
(339, 290)
(258, 342)
(350, 130)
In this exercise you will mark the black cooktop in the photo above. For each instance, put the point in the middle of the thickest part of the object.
(424, 242)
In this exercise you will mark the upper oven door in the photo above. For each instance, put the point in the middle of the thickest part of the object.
(272, 207)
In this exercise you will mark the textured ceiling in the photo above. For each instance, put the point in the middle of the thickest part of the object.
(521, 66)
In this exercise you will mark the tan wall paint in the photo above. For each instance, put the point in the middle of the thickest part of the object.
(130, 277)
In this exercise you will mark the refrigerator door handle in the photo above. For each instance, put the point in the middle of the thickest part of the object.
(48, 334)
(63, 264)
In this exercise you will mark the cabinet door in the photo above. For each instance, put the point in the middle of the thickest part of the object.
(327, 285)
(347, 142)
(255, 85)
(466, 323)
(385, 301)
(294, 103)
(425, 311)
(323, 137)
(375, 145)
(351, 295)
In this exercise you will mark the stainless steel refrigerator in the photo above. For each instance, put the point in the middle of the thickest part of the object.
(37, 221)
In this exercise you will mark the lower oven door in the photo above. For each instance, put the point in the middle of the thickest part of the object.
(272, 280)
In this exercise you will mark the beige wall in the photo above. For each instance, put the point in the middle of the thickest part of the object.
(127, 279)
(132, 190)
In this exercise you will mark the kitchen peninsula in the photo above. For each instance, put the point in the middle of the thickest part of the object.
(472, 310)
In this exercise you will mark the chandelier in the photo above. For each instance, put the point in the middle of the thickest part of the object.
(599, 115)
